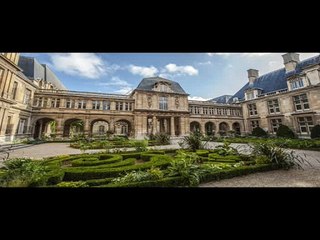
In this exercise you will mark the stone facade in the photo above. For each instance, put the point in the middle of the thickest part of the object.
(38, 106)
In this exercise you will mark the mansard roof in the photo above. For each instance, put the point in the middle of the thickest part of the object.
(276, 80)
(33, 70)
(148, 84)
(221, 99)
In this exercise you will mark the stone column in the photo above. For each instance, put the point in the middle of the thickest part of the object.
(40, 128)
(59, 130)
(182, 126)
(172, 132)
(86, 127)
(187, 126)
(154, 125)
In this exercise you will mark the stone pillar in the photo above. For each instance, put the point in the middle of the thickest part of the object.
(86, 127)
(40, 129)
(172, 132)
(154, 125)
(113, 105)
(182, 126)
(59, 130)
(187, 125)
(144, 125)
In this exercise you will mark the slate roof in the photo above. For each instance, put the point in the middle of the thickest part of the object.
(221, 99)
(33, 70)
(276, 80)
(148, 84)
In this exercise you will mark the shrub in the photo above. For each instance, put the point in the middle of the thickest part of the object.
(193, 141)
(162, 138)
(225, 149)
(202, 153)
(97, 182)
(130, 155)
(262, 159)
(259, 132)
(186, 168)
(23, 173)
(148, 155)
(138, 176)
(278, 156)
(285, 132)
(315, 132)
(140, 146)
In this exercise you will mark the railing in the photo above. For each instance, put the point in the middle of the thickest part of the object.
(80, 92)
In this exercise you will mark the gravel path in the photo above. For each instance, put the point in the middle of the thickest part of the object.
(278, 178)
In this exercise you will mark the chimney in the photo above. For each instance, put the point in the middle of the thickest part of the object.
(253, 74)
(290, 61)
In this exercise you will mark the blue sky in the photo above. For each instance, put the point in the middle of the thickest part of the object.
(202, 75)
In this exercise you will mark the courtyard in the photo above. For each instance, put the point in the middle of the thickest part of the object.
(309, 176)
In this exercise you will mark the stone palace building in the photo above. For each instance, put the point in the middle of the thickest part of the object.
(35, 104)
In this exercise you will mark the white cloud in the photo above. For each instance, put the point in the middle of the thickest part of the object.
(124, 90)
(222, 54)
(182, 70)
(143, 71)
(80, 64)
(195, 98)
(117, 85)
(204, 63)
(115, 81)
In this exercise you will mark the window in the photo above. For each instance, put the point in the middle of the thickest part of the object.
(27, 96)
(21, 127)
(9, 126)
(127, 106)
(252, 109)
(205, 111)
(250, 95)
(96, 104)
(14, 90)
(106, 105)
(70, 103)
(298, 83)
(275, 123)
(82, 104)
(301, 102)
(273, 106)
(305, 124)
(119, 106)
(163, 103)
(254, 124)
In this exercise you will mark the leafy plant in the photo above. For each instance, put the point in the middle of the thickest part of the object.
(138, 176)
(161, 138)
(279, 156)
(23, 173)
(140, 146)
(193, 141)
(225, 149)
(185, 166)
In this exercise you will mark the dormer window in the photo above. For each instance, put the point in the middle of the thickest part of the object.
(162, 87)
(297, 83)
(252, 93)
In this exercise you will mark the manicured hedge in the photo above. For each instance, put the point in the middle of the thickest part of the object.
(131, 155)
(76, 174)
(202, 153)
(91, 161)
(165, 182)
(239, 171)
(98, 182)
(128, 161)
(228, 158)
(146, 156)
